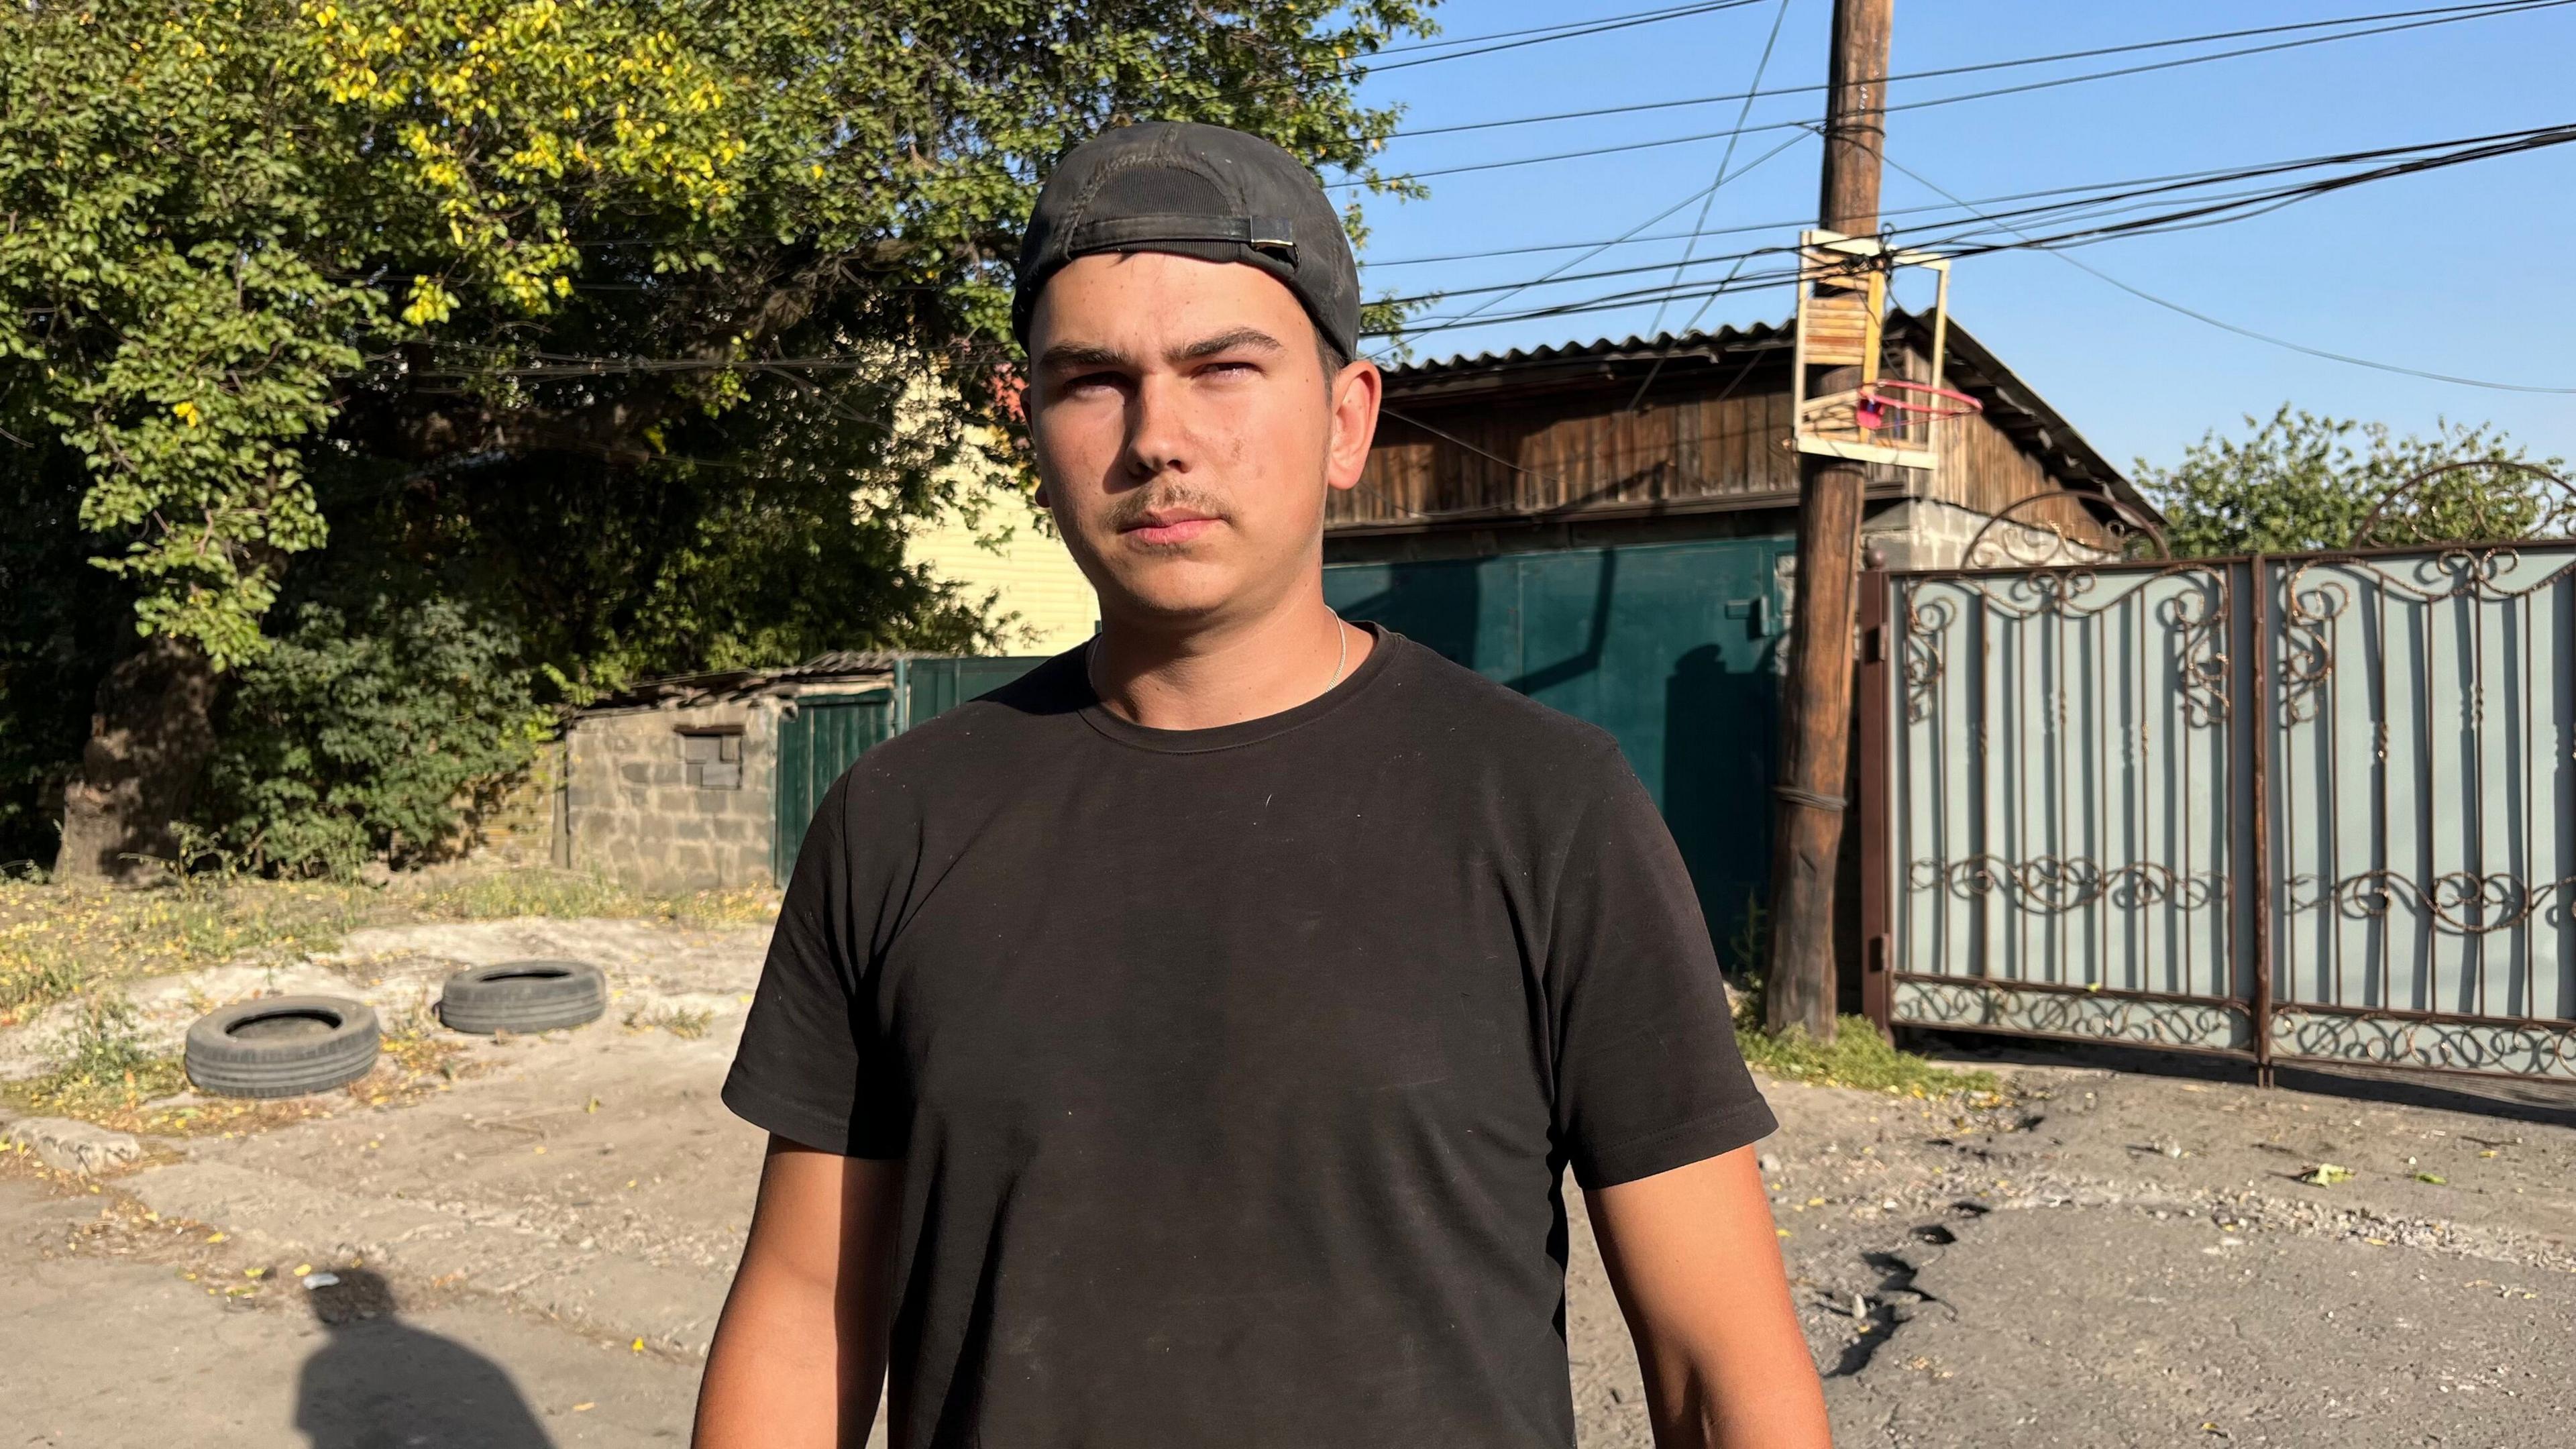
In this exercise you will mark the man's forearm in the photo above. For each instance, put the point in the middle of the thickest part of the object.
(800, 1351)
(1735, 1406)
(779, 1375)
(1693, 1256)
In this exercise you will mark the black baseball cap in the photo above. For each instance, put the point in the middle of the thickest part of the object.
(1200, 191)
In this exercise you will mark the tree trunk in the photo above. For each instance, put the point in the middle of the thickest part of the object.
(149, 737)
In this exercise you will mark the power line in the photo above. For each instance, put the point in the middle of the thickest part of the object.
(2517, 7)
(2206, 212)
(1783, 225)
(2226, 326)
(1543, 34)
(2102, 198)
(1749, 168)
(1760, 67)
(2466, 12)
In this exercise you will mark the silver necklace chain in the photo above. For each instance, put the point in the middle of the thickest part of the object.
(1091, 661)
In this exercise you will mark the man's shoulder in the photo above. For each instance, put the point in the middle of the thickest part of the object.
(979, 740)
(1476, 716)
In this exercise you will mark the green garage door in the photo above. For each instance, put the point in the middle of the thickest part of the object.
(1669, 647)
(815, 744)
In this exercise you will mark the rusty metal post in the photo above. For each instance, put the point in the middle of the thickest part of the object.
(1817, 701)
(2257, 721)
(1877, 909)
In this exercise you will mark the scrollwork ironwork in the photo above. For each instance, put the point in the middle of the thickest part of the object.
(2524, 1049)
(2055, 884)
(2197, 620)
(2307, 644)
(2464, 902)
(1926, 620)
(2040, 542)
(2200, 659)
(2544, 506)
(2095, 1015)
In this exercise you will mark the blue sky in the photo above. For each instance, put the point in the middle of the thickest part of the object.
(2457, 271)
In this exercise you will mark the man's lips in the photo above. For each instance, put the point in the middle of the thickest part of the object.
(1178, 525)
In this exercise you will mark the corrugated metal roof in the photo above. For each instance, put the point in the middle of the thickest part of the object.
(1601, 349)
(850, 664)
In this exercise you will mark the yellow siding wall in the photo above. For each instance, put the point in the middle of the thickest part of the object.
(1006, 553)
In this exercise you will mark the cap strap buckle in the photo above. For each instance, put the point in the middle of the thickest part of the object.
(1273, 235)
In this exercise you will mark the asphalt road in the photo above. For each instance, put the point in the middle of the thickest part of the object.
(535, 1256)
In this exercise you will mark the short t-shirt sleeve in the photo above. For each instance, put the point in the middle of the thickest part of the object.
(1647, 1074)
(812, 1066)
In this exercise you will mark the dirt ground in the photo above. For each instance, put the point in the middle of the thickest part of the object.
(532, 1251)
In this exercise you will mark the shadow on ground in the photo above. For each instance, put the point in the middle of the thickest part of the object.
(378, 1382)
(2544, 1103)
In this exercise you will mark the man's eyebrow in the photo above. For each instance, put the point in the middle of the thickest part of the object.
(1251, 337)
(1080, 354)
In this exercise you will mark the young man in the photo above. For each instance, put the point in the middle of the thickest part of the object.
(1184, 1046)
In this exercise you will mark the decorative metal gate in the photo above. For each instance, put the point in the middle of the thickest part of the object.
(2315, 807)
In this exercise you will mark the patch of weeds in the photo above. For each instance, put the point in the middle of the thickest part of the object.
(101, 1067)
(531, 891)
(228, 1116)
(417, 1046)
(1857, 1056)
(495, 895)
(57, 941)
(686, 1022)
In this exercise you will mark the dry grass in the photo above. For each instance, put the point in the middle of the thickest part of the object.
(58, 941)
(687, 1023)
(1858, 1057)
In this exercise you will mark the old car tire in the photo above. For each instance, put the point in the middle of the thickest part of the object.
(282, 1046)
(523, 996)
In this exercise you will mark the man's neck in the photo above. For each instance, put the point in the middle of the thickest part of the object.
(1207, 678)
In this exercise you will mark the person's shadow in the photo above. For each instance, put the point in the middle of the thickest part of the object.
(380, 1383)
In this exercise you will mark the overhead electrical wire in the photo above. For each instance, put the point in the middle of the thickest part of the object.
(2226, 326)
(2206, 211)
(1767, 226)
(1443, 43)
(2517, 7)
(1760, 68)
(1748, 169)
(2126, 193)
(2463, 12)
(1541, 35)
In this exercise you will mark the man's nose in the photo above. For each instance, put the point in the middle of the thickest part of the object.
(1158, 428)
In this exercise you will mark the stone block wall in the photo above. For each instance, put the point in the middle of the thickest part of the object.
(645, 808)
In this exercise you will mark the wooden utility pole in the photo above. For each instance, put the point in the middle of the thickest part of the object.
(1816, 706)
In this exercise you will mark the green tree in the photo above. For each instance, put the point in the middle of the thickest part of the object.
(354, 734)
(532, 292)
(2303, 482)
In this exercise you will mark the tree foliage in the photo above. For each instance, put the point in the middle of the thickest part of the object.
(357, 732)
(600, 311)
(240, 224)
(2301, 482)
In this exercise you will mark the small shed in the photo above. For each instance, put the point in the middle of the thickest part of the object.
(707, 781)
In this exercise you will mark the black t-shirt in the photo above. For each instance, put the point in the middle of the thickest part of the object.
(1235, 1071)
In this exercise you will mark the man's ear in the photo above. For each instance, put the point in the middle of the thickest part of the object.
(1355, 393)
